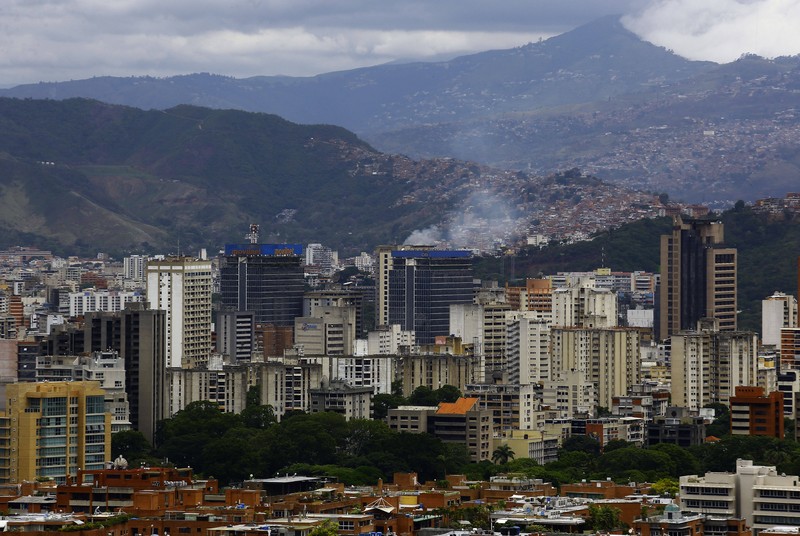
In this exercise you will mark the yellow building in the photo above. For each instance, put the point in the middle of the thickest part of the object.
(52, 429)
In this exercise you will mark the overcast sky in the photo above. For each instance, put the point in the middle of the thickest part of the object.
(55, 40)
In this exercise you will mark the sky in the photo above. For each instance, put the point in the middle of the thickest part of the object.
(57, 40)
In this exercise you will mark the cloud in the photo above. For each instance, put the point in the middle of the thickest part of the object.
(47, 40)
(720, 30)
(72, 39)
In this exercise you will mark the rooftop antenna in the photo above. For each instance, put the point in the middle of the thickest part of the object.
(252, 236)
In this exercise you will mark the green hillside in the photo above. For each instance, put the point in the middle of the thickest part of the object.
(768, 251)
(79, 174)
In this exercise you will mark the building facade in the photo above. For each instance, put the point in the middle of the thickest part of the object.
(423, 284)
(698, 277)
(181, 286)
(264, 278)
(53, 429)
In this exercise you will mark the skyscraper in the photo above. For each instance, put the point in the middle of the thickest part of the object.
(384, 259)
(423, 284)
(266, 279)
(698, 277)
(181, 286)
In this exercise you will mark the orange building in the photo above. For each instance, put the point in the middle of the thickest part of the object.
(754, 413)
(536, 295)
(274, 340)
(603, 489)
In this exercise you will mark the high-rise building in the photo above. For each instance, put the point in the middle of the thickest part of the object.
(331, 331)
(236, 334)
(698, 277)
(139, 335)
(181, 286)
(609, 358)
(264, 278)
(582, 304)
(707, 364)
(133, 268)
(777, 311)
(383, 255)
(53, 429)
(528, 347)
(423, 284)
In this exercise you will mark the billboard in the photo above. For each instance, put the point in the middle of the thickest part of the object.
(269, 250)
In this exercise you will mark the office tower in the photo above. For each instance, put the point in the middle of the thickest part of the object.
(139, 335)
(707, 364)
(236, 334)
(383, 254)
(341, 297)
(423, 284)
(331, 331)
(53, 429)
(181, 286)
(698, 277)
(264, 278)
(777, 312)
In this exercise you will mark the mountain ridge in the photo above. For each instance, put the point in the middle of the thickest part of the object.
(141, 180)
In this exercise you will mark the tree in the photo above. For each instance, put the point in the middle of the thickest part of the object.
(502, 454)
(447, 393)
(423, 396)
(604, 518)
(666, 485)
(383, 402)
(328, 527)
(582, 443)
(131, 445)
(615, 444)
(258, 416)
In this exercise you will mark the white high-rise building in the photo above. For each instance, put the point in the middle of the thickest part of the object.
(133, 267)
(181, 286)
(389, 340)
(585, 305)
(90, 301)
(777, 311)
(528, 347)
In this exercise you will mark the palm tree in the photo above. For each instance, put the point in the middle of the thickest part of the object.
(502, 454)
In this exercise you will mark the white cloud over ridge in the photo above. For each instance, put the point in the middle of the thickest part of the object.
(720, 30)
(51, 40)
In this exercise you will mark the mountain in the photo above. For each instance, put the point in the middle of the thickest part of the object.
(81, 175)
(597, 98)
(593, 62)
